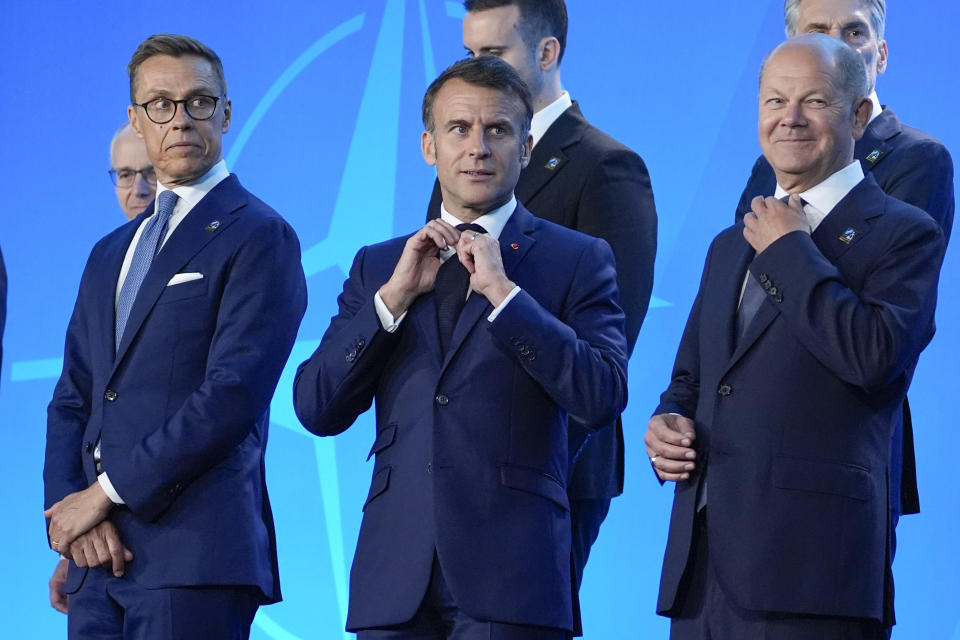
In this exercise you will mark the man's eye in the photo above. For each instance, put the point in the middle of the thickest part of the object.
(125, 174)
(460, 130)
(498, 131)
(162, 104)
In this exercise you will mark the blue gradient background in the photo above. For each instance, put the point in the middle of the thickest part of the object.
(326, 125)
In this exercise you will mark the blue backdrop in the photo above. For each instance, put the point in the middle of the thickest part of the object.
(326, 127)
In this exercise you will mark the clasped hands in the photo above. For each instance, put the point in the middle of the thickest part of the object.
(669, 441)
(770, 219)
(79, 530)
(416, 271)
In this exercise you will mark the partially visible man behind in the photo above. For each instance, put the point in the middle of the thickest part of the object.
(135, 182)
(131, 172)
(907, 163)
(790, 374)
(154, 472)
(583, 179)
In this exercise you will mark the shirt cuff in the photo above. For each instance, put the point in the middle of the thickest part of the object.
(387, 321)
(108, 489)
(500, 307)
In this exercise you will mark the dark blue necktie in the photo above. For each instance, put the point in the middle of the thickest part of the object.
(150, 240)
(753, 295)
(450, 290)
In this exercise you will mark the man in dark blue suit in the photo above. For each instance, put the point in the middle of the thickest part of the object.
(466, 528)
(154, 472)
(776, 426)
(907, 163)
(579, 177)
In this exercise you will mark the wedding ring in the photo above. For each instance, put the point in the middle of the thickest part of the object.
(475, 235)
(653, 459)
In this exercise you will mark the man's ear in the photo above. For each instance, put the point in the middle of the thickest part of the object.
(882, 57)
(133, 116)
(861, 117)
(525, 150)
(227, 111)
(428, 146)
(548, 53)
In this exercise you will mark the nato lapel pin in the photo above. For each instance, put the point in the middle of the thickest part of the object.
(213, 226)
(873, 156)
(847, 236)
(552, 163)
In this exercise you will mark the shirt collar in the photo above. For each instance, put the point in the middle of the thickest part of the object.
(822, 198)
(877, 107)
(493, 222)
(548, 115)
(192, 193)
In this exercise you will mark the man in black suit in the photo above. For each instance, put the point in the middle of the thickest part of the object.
(907, 163)
(585, 180)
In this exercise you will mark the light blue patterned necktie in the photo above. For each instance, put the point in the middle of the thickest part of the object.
(148, 246)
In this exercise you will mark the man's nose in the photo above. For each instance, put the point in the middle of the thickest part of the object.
(478, 144)
(140, 185)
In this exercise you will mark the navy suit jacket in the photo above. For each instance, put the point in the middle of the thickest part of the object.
(913, 167)
(794, 421)
(585, 180)
(471, 446)
(182, 410)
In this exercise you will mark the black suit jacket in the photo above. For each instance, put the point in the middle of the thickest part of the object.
(913, 167)
(585, 180)
(794, 420)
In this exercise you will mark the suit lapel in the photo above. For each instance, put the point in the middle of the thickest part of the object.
(190, 236)
(760, 321)
(108, 273)
(515, 240)
(549, 158)
(875, 144)
(847, 224)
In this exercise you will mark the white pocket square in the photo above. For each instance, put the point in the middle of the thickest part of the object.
(180, 278)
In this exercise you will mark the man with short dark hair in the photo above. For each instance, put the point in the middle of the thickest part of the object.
(132, 174)
(810, 317)
(476, 336)
(582, 179)
(907, 163)
(154, 472)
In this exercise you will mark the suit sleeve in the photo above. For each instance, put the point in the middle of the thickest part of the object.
(926, 181)
(261, 305)
(617, 204)
(69, 410)
(681, 396)
(579, 358)
(337, 383)
(867, 337)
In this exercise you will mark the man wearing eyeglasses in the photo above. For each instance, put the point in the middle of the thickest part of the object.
(131, 172)
(154, 472)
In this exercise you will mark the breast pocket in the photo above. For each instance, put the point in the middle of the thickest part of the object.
(183, 291)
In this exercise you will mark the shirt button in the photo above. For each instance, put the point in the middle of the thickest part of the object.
(442, 400)
(110, 395)
(725, 390)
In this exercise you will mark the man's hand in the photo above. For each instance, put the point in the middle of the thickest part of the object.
(416, 271)
(771, 219)
(75, 515)
(101, 546)
(669, 441)
(58, 599)
(480, 254)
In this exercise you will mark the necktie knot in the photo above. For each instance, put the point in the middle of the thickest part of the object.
(465, 226)
(166, 201)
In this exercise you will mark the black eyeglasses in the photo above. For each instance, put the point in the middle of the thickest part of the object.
(124, 177)
(162, 110)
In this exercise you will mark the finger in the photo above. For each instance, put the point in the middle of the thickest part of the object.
(671, 452)
(449, 234)
(660, 432)
(666, 465)
(673, 477)
(759, 203)
(117, 553)
(680, 424)
(58, 599)
(79, 556)
(101, 550)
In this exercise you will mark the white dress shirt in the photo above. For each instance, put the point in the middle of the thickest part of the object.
(548, 115)
(188, 197)
(493, 222)
(822, 198)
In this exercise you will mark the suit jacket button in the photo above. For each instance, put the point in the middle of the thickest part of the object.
(88, 446)
(442, 400)
(351, 355)
(110, 395)
(773, 291)
(725, 390)
(763, 278)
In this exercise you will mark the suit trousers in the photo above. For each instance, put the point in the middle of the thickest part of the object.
(439, 618)
(704, 612)
(109, 608)
(586, 516)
